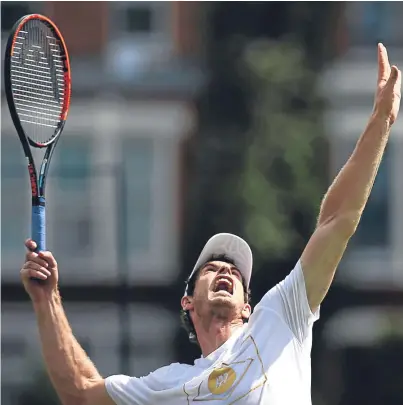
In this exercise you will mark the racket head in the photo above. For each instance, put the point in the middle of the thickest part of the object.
(37, 80)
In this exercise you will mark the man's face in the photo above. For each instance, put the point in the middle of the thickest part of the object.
(219, 291)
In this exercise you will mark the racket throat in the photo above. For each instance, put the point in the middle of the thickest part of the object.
(38, 201)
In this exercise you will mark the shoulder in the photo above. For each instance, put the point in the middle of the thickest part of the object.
(290, 287)
(159, 373)
(166, 377)
(171, 369)
(154, 380)
(287, 302)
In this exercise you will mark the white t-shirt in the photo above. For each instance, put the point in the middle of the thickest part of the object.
(265, 362)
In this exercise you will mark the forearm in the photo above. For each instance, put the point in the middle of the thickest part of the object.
(348, 195)
(346, 198)
(68, 366)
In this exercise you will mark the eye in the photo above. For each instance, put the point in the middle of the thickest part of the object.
(237, 274)
(209, 268)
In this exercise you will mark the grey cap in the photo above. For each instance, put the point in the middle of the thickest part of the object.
(231, 246)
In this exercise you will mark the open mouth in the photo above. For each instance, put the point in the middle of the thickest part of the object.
(224, 284)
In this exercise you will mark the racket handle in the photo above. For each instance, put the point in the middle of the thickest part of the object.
(39, 226)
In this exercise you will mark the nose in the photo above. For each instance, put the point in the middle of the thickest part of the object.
(225, 270)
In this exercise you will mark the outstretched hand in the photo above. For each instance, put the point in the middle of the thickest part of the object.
(388, 94)
(43, 267)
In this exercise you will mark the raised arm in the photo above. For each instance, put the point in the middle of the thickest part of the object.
(346, 198)
(73, 375)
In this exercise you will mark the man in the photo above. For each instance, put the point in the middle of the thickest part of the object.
(247, 358)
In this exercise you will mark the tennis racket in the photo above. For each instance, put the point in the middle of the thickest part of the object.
(37, 87)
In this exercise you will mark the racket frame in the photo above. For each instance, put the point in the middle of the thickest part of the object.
(37, 180)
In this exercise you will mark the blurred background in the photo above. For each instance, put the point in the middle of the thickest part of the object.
(191, 118)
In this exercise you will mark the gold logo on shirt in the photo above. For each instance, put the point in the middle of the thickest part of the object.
(221, 380)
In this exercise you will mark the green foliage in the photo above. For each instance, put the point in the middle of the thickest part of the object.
(281, 174)
(41, 392)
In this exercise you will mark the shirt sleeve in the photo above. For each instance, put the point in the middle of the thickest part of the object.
(288, 299)
(125, 390)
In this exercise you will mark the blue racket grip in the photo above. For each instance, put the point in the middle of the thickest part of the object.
(39, 226)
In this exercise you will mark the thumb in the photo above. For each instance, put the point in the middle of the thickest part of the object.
(47, 256)
(30, 245)
(394, 74)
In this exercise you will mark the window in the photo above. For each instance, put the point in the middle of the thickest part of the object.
(369, 262)
(73, 163)
(15, 205)
(19, 343)
(140, 38)
(371, 22)
(151, 207)
(149, 150)
(153, 340)
(138, 163)
(140, 18)
(81, 210)
(88, 323)
(374, 228)
(70, 194)
(11, 11)
(13, 346)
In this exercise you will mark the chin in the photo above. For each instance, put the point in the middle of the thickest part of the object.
(222, 295)
(222, 300)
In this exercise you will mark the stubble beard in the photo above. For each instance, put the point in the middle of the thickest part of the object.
(223, 308)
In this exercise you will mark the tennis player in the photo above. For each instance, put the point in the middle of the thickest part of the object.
(247, 358)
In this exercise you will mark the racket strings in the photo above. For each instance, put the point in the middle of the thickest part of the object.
(37, 80)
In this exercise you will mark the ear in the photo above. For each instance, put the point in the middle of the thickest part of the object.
(187, 303)
(246, 311)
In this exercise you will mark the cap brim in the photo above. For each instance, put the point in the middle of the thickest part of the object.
(232, 246)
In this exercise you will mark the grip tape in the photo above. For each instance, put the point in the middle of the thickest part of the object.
(39, 226)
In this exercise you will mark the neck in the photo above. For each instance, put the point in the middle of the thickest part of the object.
(213, 333)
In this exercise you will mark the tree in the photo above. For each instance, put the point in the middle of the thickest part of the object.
(40, 392)
(284, 161)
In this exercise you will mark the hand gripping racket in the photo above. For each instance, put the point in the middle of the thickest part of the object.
(37, 86)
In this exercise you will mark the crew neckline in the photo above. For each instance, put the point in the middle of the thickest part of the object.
(213, 356)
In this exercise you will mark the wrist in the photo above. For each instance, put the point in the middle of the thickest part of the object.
(381, 118)
(51, 299)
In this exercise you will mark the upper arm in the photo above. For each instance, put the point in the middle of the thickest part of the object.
(288, 301)
(97, 394)
(125, 390)
(321, 257)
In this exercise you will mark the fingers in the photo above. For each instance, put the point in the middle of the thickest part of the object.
(394, 78)
(383, 65)
(36, 274)
(38, 265)
(48, 257)
(45, 259)
(398, 82)
(35, 270)
(34, 257)
(30, 244)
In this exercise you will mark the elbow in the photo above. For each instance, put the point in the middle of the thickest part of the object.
(80, 396)
(73, 400)
(79, 399)
(94, 393)
(347, 224)
(344, 224)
